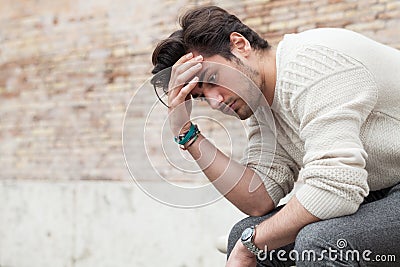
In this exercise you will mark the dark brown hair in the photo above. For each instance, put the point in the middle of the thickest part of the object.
(205, 30)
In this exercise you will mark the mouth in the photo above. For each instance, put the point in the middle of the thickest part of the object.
(229, 108)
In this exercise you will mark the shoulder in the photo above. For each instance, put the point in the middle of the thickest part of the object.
(318, 46)
(311, 62)
(303, 65)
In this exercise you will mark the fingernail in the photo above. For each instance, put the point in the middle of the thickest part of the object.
(199, 57)
(195, 79)
(189, 55)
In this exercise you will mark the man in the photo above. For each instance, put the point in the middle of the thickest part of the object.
(335, 99)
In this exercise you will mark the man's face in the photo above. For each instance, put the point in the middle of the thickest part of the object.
(228, 86)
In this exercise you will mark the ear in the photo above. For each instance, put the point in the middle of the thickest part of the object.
(239, 44)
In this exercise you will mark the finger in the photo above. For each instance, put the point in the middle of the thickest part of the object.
(182, 73)
(184, 58)
(185, 63)
(182, 80)
(188, 103)
(182, 64)
(184, 92)
(189, 73)
(178, 70)
(189, 87)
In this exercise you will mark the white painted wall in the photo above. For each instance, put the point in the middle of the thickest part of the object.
(82, 224)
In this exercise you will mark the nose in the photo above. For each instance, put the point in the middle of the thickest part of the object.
(214, 98)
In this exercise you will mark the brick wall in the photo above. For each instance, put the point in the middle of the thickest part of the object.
(69, 68)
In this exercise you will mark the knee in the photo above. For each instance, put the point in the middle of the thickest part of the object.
(320, 235)
(309, 238)
(313, 244)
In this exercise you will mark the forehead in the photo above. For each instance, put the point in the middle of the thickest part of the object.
(213, 64)
(226, 70)
(214, 58)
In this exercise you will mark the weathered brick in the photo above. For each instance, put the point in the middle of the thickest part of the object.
(278, 25)
(395, 5)
(280, 10)
(393, 14)
(251, 22)
(68, 70)
(341, 6)
(306, 27)
(365, 15)
(375, 25)
(377, 8)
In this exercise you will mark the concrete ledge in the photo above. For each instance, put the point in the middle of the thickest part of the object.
(105, 224)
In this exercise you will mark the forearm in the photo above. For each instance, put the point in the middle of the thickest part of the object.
(282, 228)
(240, 185)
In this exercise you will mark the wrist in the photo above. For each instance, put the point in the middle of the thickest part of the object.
(258, 239)
(190, 142)
(187, 138)
(247, 240)
(185, 128)
(182, 129)
(245, 250)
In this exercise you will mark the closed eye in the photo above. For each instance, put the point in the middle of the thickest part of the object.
(201, 96)
(212, 79)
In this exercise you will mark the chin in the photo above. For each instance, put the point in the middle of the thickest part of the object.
(244, 117)
(244, 114)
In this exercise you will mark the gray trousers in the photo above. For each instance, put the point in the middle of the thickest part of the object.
(369, 237)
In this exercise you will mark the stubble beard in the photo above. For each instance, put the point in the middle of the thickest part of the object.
(252, 93)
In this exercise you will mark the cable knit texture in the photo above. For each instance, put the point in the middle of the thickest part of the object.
(332, 110)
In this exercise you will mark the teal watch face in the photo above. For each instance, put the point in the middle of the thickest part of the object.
(247, 233)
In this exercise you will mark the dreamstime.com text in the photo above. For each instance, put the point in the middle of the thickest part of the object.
(330, 254)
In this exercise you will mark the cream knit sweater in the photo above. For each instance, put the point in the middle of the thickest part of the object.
(337, 115)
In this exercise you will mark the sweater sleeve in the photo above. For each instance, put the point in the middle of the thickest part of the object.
(268, 159)
(331, 112)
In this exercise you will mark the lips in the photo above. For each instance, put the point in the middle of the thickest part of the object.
(232, 106)
(228, 108)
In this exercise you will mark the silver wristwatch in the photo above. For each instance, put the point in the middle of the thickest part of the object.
(248, 239)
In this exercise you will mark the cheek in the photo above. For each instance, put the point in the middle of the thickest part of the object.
(227, 92)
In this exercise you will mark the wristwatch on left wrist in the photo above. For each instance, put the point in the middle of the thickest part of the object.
(247, 239)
